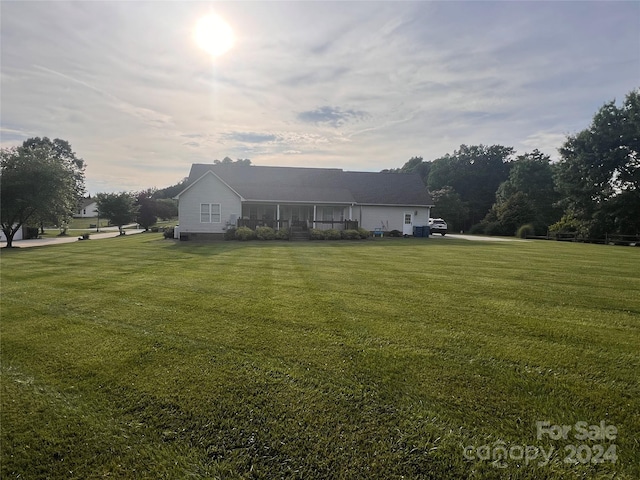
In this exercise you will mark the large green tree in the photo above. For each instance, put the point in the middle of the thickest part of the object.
(413, 165)
(118, 208)
(598, 175)
(42, 179)
(449, 206)
(527, 196)
(474, 172)
(506, 217)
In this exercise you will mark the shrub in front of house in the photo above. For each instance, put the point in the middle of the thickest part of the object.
(245, 233)
(315, 234)
(395, 233)
(282, 234)
(265, 233)
(168, 232)
(332, 234)
(230, 233)
(350, 235)
(363, 233)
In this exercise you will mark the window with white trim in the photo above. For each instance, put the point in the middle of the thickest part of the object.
(210, 213)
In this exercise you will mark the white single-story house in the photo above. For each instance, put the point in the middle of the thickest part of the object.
(221, 196)
(87, 208)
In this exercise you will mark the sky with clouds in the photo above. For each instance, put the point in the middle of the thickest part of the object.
(353, 85)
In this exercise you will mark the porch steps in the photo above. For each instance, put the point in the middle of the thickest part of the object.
(298, 235)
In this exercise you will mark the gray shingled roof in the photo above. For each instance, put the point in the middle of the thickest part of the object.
(85, 202)
(298, 184)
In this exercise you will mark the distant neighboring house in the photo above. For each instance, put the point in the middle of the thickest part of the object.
(221, 196)
(87, 208)
(18, 235)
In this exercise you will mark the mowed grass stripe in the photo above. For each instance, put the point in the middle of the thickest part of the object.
(312, 360)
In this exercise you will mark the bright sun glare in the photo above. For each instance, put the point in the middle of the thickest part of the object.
(214, 35)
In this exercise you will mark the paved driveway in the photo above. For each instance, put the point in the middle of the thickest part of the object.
(40, 242)
(479, 238)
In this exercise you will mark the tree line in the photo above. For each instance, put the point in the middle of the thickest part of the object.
(592, 190)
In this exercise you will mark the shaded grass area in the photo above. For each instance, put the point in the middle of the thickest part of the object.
(140, 357)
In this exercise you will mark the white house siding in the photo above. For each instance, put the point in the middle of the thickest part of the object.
(16, 236)
(389, 217)
(90, 211)
(209, 189)
(422, 218)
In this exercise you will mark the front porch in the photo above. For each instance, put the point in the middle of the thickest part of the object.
(297, 217)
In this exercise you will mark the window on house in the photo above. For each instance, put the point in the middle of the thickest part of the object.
(205, 213)
(210, 213)
(215, 213)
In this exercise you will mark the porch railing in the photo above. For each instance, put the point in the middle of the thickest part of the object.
(300, 224)
(254, 223)
(335, 224)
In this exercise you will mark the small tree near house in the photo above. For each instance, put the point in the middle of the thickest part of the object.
(147, 209)
(118, 208)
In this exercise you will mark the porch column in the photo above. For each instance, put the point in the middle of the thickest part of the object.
(314, 216)
(277, 216)
(351, 212)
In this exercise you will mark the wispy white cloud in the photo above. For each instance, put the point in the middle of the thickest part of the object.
(147, 116)
(547, 142)
(333, 116)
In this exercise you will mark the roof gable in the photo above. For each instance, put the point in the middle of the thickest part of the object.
(206, 172)
(85, 202)
(318, 185)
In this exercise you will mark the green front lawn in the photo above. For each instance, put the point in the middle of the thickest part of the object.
(84, 223)
(137, 357)
(79, 226)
